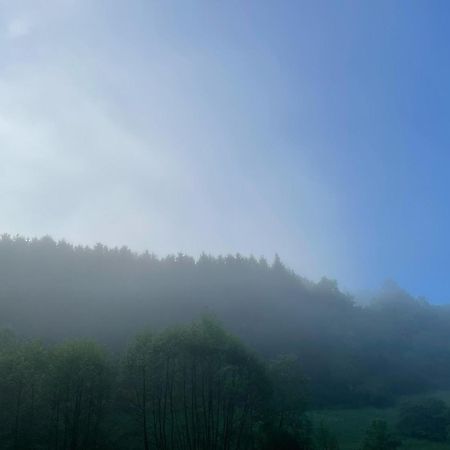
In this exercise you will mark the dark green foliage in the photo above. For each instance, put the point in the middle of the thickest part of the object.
(22, 384)
(284, 440)
(325, 439)
(52, 398)
(350, 355)
(287, 426)
(378, 437)
(290, 396)
(79, 387)
(298, 436)
(425, 419)
(196, 388)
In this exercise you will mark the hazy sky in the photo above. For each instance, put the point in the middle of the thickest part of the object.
(319, 130)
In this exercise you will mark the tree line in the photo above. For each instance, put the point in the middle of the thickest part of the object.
(350, 354)
(193, 387)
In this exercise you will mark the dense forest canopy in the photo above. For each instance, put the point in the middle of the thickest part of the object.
(350, 354)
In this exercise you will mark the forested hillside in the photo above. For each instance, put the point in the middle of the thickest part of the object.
(349, 354)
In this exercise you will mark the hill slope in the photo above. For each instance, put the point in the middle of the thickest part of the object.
(351, 354)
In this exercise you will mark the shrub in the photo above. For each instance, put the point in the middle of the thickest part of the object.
(426, 419)
(378, 437)
(325, 439)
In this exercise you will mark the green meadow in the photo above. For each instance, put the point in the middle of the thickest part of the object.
(350, 425)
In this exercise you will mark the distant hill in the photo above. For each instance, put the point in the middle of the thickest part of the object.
(352, 354)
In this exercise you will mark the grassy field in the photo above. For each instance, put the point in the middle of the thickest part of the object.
(350, 425)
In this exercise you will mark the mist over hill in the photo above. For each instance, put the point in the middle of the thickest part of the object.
(351, 354)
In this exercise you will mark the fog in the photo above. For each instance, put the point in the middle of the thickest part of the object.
(112, 130)
(224, 225)
(311, 347)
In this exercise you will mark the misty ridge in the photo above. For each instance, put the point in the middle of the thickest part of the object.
(101, 347)
(312, 132)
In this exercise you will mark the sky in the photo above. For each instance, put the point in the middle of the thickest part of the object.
(318, 130)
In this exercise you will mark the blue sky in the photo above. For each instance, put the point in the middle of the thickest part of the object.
(318, 130)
